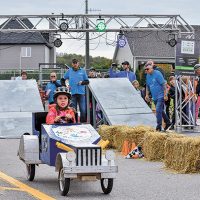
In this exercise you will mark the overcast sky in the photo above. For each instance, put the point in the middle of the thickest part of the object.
(188, 9)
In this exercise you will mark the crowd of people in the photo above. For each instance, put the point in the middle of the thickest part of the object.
(65, 95)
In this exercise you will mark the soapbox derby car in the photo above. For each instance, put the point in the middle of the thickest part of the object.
(74, 149)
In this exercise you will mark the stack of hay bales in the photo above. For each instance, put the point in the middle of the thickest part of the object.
(179, 152)
(183, 154)
(154, 144)
(118, 134)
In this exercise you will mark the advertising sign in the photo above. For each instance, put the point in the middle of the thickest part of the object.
(187, 55)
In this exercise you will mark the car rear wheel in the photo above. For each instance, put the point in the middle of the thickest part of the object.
(107, 185)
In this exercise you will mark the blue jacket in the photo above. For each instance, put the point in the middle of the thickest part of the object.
(122, 74)
(74, 78)
(52, 86)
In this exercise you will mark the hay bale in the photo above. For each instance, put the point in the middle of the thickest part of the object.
(121, 136)
(118, 134)
(183, 154)
(137, 134)
(154, 143)
(131, 134)
(153, 147)
(108, 133)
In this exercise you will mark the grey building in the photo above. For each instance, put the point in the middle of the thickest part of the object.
(144, 45)
(24, 50)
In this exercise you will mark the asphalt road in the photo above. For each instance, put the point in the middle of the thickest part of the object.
(137, 179)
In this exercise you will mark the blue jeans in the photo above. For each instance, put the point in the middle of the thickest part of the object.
(80, 99)
(160, 113)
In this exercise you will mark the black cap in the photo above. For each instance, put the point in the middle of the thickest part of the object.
(74, 60)
(125, 63)
(114, 64)
(197, 66)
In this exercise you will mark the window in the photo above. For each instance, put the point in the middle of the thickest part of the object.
(26, 52)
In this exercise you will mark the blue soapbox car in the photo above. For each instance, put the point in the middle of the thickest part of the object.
(74, 149)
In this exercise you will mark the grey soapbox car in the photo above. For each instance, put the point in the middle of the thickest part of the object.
(74, 149)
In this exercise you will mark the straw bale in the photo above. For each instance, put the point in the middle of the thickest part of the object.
(108, 133)
(183, 154)
(153, 147)
(154, 143)
(118, 134)
(132, 134)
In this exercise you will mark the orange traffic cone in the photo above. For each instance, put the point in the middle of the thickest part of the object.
(133, 145)
(125, 148)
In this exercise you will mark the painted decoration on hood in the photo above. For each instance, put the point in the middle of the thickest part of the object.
(72, 133)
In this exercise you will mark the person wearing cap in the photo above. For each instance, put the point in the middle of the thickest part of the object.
(78, 78)
(51, 87)
(197, 89)
(61, 112)
(156, 84)
(151, 63)
(126, 73)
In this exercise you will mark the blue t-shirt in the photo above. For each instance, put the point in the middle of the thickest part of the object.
(122, 74)
(74, 78)
(51, 86)
(155, 83)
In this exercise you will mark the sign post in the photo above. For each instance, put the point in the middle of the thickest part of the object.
(187, 55)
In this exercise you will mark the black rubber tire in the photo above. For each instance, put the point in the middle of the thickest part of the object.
(64, 183)
(30, 172)
(107, 188)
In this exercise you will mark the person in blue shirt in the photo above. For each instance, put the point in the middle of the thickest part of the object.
(51, 87)
(77, 80)
(126, 73)
(156, 84)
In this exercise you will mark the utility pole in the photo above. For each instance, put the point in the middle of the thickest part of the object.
(87, 40)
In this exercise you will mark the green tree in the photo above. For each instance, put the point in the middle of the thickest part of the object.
(96, 62)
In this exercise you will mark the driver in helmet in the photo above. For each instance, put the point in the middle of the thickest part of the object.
(60, 112)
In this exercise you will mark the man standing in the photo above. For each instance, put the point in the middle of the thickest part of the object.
(77, 80)
(126, 73)
(51, 87)
(156, 84)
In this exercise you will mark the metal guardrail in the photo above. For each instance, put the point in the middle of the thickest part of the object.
(11, 74)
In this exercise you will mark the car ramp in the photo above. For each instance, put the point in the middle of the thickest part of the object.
(119, 102)
(18, 99)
